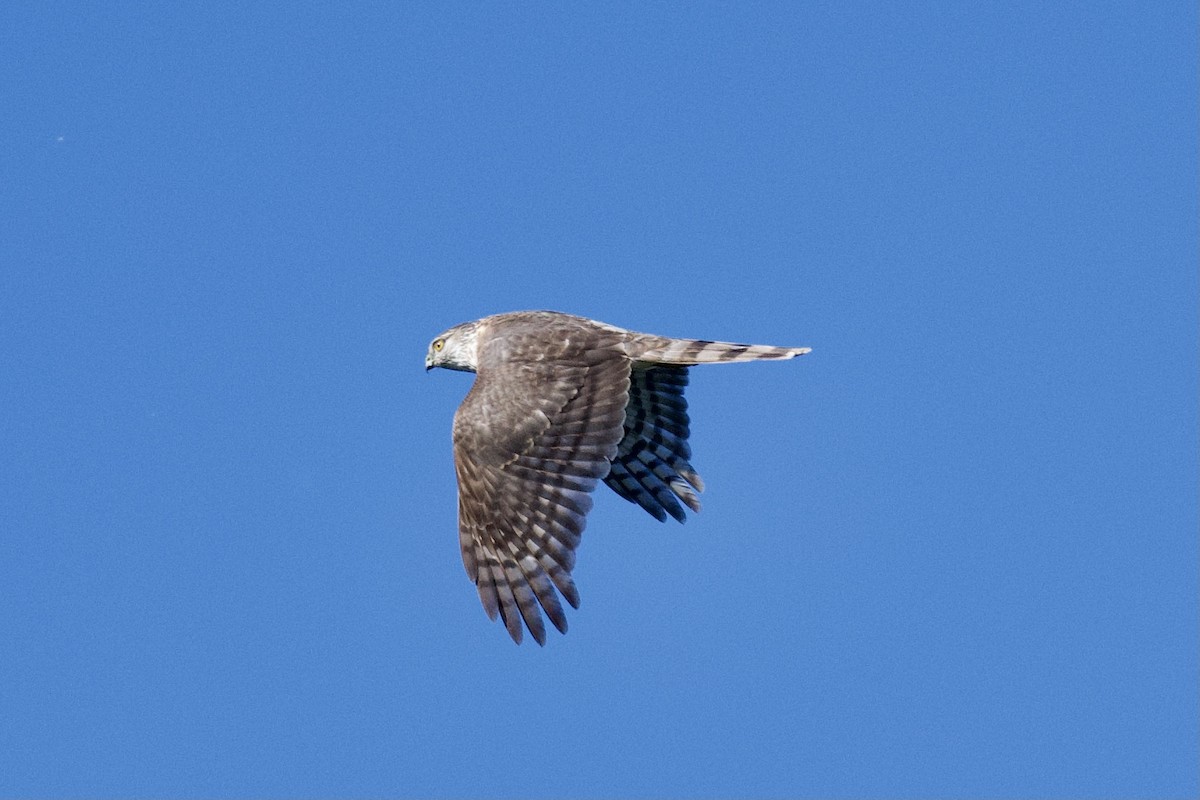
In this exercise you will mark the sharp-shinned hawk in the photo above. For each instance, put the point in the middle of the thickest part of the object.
(560, 402)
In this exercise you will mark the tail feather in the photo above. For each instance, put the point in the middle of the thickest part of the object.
(659, 350)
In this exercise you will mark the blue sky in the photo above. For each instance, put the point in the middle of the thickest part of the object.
(953, 552)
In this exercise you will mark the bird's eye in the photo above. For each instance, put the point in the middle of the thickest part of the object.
(438, 344)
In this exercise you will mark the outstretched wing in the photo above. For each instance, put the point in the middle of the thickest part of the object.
(652, 466)
(531, 439)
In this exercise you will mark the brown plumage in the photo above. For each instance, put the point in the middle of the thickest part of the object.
(559, 403)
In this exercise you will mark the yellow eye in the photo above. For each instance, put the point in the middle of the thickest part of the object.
(438, 344)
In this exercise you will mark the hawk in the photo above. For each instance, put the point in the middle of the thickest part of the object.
(560, 402)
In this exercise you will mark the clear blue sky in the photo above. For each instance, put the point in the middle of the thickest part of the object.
(953, 552)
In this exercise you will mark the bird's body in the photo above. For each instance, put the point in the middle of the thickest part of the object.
(559, 403)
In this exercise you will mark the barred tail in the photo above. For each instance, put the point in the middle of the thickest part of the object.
(659, 350)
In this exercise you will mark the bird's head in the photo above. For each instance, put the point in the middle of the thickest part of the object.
(454, 349)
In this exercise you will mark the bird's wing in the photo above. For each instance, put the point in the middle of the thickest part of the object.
(651, 467)
(531, 439)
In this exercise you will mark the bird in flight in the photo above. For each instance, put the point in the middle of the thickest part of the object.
(560, 402)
